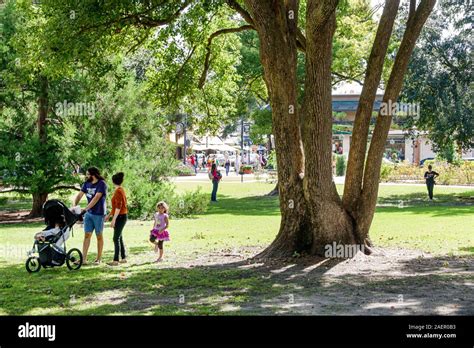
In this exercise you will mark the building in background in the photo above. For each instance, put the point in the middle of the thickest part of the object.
(400, 145)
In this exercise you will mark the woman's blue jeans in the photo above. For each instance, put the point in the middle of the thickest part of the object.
(215, 184)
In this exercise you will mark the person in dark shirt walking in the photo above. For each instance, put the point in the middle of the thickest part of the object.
(430, 177)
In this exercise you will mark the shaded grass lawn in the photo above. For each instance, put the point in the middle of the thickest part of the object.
(242, 222)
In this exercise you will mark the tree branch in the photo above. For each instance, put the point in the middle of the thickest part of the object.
(19, 190)
(138, 43)
(56, 188)
(348, 78)
(245, 15)
(373, 74)
(411, 12)
(65, 187)
(383, 122)
(140, 19)
(319, 13)
(179, 73)
(202, 79)
(300, 40)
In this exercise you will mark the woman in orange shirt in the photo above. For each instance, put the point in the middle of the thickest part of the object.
(119, 219)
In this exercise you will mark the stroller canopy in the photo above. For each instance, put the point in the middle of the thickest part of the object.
(55, 211)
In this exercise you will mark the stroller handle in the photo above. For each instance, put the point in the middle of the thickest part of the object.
(80, 216)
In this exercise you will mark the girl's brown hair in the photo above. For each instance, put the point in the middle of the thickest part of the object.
(162, 204)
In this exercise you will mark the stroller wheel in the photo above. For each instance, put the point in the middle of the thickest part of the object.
(74, 259)
(33, 264)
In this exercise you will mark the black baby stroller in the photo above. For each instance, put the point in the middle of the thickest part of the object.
(50, 249)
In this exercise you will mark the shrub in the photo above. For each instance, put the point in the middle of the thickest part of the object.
(428, 162)
(188, 204)
(467, 172)
(449, 174)
(340, 165)
(185, 170)
(386, 171)
(271, 160)
(146, 183)
(142, 196)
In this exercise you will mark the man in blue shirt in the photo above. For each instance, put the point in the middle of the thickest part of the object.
(95, 190)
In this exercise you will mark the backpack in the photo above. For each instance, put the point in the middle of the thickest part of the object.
(219, 175)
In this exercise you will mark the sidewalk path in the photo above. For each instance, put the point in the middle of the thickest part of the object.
(251, 178)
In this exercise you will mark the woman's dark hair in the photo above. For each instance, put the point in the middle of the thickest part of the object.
(95, 172)
(430, 167)
(214, 167)
(117, 178)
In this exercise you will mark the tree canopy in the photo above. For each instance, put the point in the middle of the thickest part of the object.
(440, 78)
(188, 56)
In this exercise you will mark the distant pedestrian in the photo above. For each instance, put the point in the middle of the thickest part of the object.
(227, 166)
(215, 176)
(430, 177)
(193, 163)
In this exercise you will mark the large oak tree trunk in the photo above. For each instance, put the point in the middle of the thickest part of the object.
(38, 201)
(329, 221)
(311, 210)
(278, 56)
(40, 197)
(312, 213)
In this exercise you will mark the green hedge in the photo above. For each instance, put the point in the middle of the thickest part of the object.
(449, 174)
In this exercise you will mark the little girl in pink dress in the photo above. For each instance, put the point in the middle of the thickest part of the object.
(159, 233)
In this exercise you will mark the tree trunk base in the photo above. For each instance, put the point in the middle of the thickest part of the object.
(273, 192)
(303, 243)
(38, 201)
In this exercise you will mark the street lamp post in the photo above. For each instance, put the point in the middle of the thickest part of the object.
(184, 144)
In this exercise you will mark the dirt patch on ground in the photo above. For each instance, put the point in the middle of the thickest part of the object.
(8, 217)
(392, 281)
